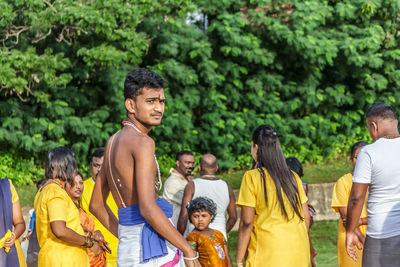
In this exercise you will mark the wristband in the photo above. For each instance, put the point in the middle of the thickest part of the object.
(91, 243)
(85, 244)
(192, 259)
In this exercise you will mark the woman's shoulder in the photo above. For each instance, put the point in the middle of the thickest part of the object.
(347, 178)
(52, 190)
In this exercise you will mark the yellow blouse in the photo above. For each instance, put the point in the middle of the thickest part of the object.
(52, 203)
(274, 241)
(88, 186)
(340, 197)
(21, 257)
(210, 248)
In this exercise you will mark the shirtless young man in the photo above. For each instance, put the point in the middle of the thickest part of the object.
(130, 173)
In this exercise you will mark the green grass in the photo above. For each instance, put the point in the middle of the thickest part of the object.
(323, 236)
(26, 194)
(326, 172)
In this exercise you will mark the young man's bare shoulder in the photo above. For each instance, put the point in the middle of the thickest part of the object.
(143, 142)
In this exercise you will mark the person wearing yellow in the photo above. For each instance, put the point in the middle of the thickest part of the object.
(88, 185)
(12, 226)
(274, 221)
(340, 198)
(61, 237)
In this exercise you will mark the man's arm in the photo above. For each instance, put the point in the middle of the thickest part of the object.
(232, 215)
(354, 208)
(144, 176)
(98, 202)
(183, 216)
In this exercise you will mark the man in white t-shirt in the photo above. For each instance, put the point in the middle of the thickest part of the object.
(208, 185)
(378, 172)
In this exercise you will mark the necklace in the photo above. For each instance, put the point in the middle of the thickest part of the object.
(158, 183)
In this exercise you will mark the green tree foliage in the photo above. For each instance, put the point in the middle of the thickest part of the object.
(309, 68)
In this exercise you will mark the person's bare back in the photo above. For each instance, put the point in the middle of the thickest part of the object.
(130, 173)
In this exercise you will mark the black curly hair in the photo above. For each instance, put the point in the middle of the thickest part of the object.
(202, 204)
(138, 79)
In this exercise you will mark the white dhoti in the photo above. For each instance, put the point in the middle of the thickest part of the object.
(130, 250)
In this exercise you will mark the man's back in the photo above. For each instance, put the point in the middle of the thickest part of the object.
(377, 165)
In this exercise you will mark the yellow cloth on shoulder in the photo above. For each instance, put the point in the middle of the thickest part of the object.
(340, 197)
(52, 203)
(88, 186)
(274, 241)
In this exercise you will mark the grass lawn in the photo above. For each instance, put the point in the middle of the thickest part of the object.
(324, 237)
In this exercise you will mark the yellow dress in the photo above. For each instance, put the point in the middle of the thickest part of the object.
(88, 186)
(274, 241)
(21, 257)
(52, 203)
(340, 197)
(210, 248)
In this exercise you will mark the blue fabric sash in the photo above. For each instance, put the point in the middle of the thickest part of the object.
(9, 259)
(153, 244)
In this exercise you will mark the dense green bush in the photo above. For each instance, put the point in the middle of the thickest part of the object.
(309, 68)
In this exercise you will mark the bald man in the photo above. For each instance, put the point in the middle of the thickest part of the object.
(208, 185)
(377, 172)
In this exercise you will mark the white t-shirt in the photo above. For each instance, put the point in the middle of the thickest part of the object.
(378, 164)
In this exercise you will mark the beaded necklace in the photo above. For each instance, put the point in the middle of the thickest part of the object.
(390, 136)
(158, 183)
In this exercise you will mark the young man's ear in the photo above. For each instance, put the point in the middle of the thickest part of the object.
(130, 105)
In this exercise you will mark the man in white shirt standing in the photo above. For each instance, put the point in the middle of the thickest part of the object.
(177, 181)
(377, 171)
(210, 186)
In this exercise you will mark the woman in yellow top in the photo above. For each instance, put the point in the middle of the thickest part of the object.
(74, 190)
(60, 234)
(274, 219)
(12, 226)
(340, 197)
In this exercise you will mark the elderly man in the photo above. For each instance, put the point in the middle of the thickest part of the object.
(177, 181)
(208, 185)
(377, 171)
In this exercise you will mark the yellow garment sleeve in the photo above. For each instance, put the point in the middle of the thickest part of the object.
(14, 194)
(339, 196)
(302, 194)
(248, 191)
(57, 209)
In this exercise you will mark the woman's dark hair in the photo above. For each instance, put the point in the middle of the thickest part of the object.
(356, 146)
(61, 164)
(270, 157)
(295, 165)
(202, 204)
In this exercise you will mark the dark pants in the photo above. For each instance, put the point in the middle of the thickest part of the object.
(381, 252)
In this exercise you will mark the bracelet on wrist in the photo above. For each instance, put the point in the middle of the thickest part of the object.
(192, 259)
(85, 244)
(91, 243)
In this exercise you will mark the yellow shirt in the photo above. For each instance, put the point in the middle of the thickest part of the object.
(88, 187)
(21, 257)
(52, 203)
(274, 241)
(340, 197)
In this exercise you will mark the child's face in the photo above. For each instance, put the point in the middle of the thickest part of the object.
(201, 219)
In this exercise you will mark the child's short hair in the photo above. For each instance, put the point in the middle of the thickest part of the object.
(202, 204)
